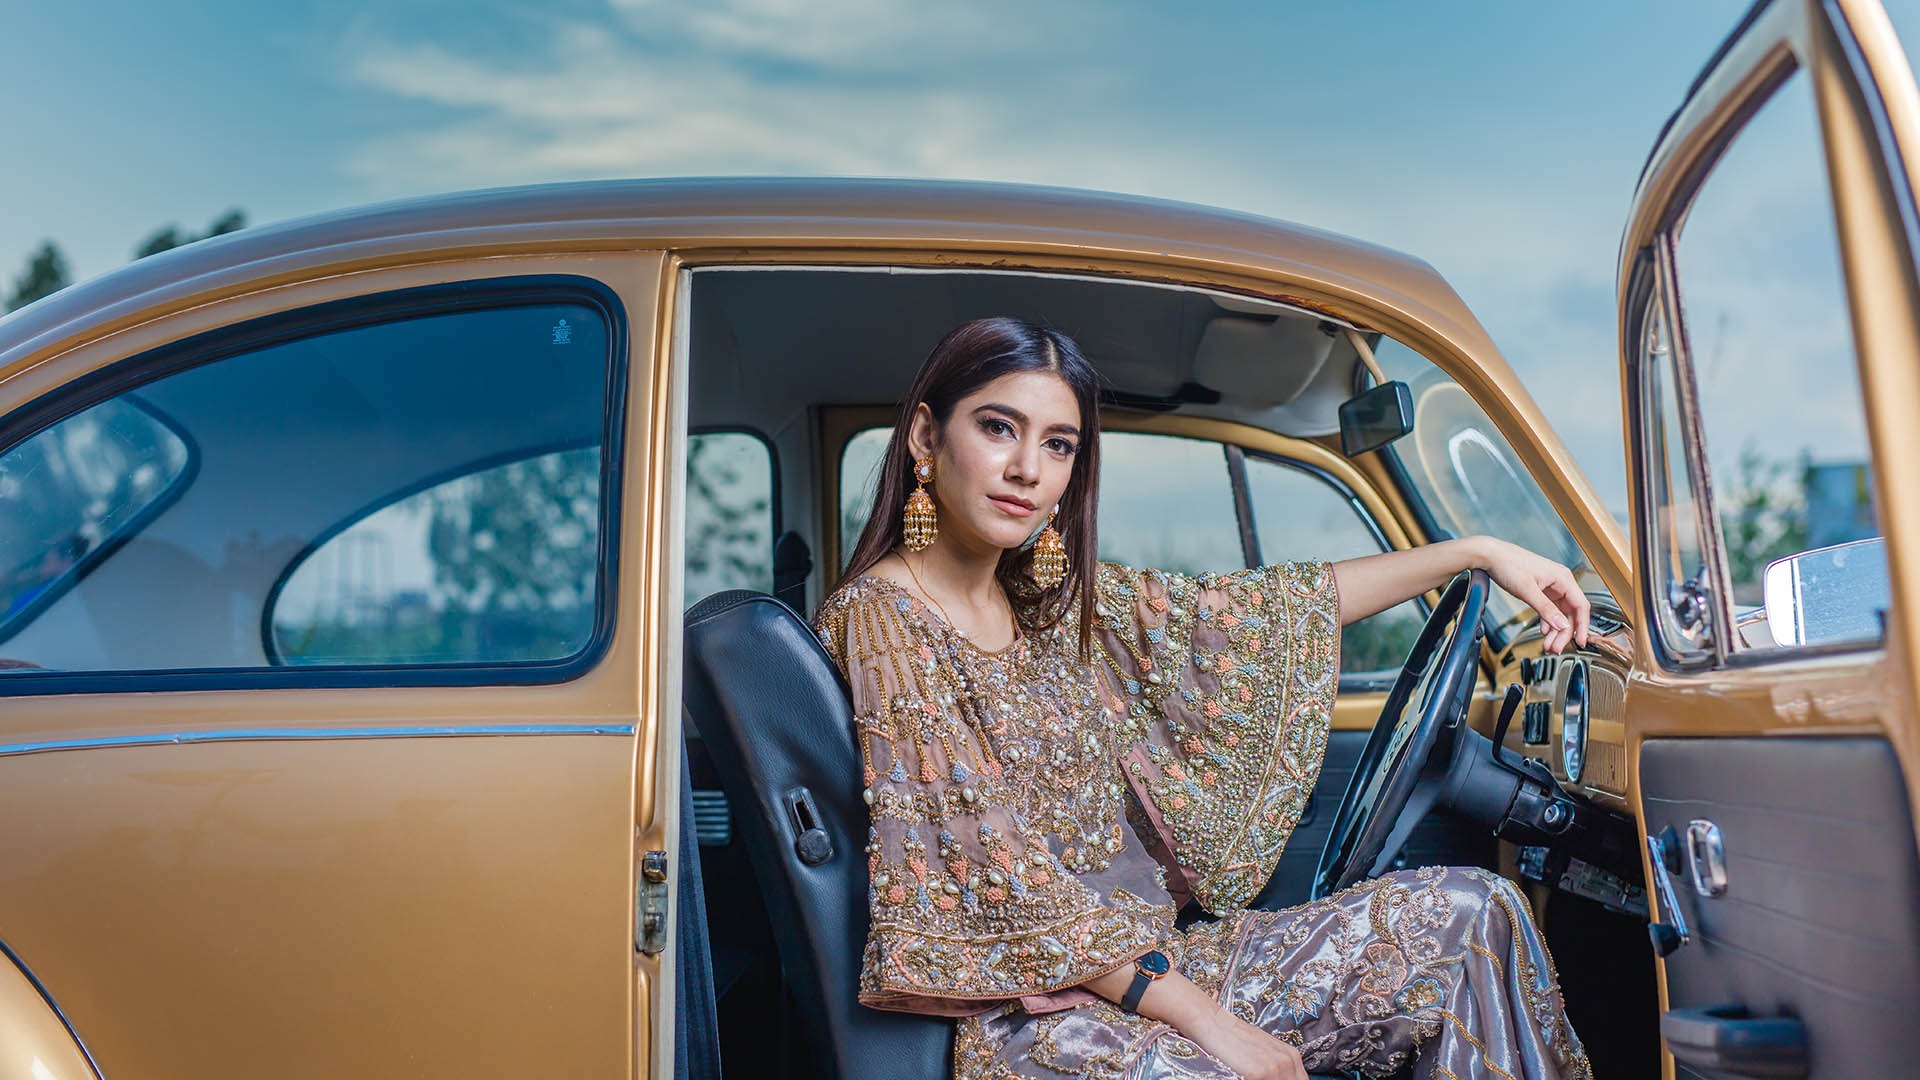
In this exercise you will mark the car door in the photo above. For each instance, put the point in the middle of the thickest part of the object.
(1770, 322)
(324, 627)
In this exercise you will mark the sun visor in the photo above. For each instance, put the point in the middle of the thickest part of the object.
(1261, 363)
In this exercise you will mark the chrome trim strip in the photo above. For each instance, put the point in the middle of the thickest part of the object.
(181, 738)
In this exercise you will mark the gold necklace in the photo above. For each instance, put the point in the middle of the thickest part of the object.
(941, 608)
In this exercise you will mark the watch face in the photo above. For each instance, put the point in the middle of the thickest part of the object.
(1154, 963)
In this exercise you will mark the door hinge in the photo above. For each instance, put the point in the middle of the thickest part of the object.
(651, 933)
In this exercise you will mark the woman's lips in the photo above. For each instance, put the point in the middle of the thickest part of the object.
(1011, 507)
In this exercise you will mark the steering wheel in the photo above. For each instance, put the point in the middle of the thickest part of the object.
(1393, 785)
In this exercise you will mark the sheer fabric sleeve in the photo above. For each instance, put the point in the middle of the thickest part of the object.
(968, 904)
(1227, 685)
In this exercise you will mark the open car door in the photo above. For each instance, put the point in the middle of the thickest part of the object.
(1774, 772)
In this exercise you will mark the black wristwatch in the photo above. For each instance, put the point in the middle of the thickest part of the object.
(1146, 969)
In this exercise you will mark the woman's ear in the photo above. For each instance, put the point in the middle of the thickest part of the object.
(920, 432)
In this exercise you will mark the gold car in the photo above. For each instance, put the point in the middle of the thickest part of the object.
(345, 569)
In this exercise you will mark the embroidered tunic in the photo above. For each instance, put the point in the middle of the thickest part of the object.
(1037, 821)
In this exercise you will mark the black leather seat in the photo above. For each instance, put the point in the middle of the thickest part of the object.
(773, 710)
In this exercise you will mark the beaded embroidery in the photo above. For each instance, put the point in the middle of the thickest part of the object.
(999, 782)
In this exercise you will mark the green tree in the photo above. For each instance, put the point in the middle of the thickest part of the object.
(170, 236)
(1764, 518)
(46, 274)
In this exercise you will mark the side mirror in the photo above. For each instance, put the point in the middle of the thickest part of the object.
(1831, 594)
(1375, 418)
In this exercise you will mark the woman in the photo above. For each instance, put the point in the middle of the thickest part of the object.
(1059, 753)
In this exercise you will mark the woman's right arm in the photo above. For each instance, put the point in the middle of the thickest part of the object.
(1174, 1000)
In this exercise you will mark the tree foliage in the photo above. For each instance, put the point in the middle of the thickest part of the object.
(170, 236)
(46, 274)
(1763, 518)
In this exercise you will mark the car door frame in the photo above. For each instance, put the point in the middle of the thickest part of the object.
(1869, 116)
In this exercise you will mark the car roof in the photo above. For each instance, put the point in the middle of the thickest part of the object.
(770, 213)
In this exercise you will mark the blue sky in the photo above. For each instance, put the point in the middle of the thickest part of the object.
(1500, 141)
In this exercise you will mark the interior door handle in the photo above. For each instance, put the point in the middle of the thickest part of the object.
(1729, 1040)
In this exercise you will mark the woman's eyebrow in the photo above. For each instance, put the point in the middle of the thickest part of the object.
(1019, 417)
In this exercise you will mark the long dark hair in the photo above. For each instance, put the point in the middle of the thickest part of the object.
(971, 356)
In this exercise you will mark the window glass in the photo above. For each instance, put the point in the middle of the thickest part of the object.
(859, 475)
(1770, 342)
(1300, 515)
(729, 514)
(1167, 502)
(73, 491)
(421, 490)
(496, 565)
(1468, 477)
(1675, 513)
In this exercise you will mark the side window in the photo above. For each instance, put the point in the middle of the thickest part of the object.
(387, 482)
(730, 522)
(1300, 515)
(1768, 340)
(1167, 502)
(72, 493)
(859, 474)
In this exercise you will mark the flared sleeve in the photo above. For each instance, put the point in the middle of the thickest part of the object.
(1227, 684)
(969, 906)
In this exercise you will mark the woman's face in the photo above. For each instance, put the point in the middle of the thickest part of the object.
(1004, 458)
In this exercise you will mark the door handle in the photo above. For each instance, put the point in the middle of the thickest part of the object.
(1663, 849)
(1729, 1040)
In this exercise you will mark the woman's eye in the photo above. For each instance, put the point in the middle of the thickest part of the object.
(1060, 446)
(996, 427)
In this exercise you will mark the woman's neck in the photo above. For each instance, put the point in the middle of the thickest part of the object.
(958, 573)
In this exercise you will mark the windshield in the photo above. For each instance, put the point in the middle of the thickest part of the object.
(1470, 481)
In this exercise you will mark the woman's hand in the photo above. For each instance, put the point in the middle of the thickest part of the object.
(1177, 1002)
(1543, 585)
(1247, 1050)
(1375, 583)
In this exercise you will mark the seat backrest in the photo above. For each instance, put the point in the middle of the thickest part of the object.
(774, 712)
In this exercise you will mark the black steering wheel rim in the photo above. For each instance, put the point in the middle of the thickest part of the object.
(1391, 776)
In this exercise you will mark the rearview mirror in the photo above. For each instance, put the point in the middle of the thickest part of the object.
(1831, 594)
(1375, 418)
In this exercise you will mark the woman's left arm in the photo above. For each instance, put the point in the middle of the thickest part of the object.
(1377, 582)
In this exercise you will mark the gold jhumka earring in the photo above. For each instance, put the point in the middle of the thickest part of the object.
(918, 519)
(1049, 555)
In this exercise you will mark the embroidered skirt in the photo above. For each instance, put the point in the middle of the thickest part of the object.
(1441, 965)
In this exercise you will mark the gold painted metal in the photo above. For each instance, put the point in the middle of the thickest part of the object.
(34, 1044)
(411, 891)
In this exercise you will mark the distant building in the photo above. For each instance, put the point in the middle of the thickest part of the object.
(1839, 504)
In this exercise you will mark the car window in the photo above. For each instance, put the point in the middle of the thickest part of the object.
(1674, 513)
(1300, 514)
(729, 514)
(1466, 476)
(1769, 341)
(72, 493)
(380, 483)
(1167, 502)
(497, 565)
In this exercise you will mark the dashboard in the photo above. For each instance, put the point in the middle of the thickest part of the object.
(1573, 714)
